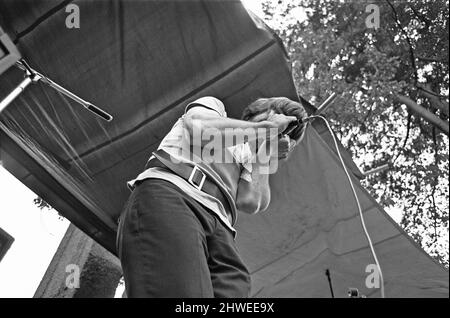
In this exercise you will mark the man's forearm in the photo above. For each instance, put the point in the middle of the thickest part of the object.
(206, 124)
(253, 197)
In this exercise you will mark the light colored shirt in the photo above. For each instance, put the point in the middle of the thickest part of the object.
(226, 175)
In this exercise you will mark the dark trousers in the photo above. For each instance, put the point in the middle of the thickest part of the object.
(171, 246)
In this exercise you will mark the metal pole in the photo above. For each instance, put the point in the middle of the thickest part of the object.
(377, 170)
(39, 77)
(16, 92)
(96, 110)
(322, 107)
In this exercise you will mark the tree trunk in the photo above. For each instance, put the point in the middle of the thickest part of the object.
(425, 114)
(434, 100)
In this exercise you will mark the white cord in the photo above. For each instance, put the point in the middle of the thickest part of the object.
(357, 202)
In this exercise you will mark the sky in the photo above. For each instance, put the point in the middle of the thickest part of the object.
(254, 6)
(38, 233)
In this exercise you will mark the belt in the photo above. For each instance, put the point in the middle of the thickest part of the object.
(192, 174)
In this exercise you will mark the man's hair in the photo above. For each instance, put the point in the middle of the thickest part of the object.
(280, 105)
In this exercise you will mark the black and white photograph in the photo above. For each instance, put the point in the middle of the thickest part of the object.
(246, 151)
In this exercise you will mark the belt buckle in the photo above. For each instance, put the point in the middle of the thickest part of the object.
(191, 178)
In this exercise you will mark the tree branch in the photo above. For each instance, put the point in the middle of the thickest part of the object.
(408, 40)
(408, 129)
(436, 162)
(425, 114)
(435, 102)
(430, 91)
(432, 59)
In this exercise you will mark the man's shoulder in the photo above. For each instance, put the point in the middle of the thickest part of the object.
(208, 102)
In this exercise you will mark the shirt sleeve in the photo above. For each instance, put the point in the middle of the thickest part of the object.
(208, 102)
(246, 172)
(243, 155)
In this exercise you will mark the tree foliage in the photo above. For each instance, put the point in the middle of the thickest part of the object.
(393, 106)
(41, 204)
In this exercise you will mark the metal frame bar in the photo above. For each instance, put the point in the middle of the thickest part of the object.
(32, 76)
(11, 54)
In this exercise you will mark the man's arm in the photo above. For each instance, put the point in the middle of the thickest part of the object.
(200, 119)
(253, 193)
(253, 197)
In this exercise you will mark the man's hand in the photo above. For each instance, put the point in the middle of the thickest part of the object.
(280, 122)
(285, 147)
